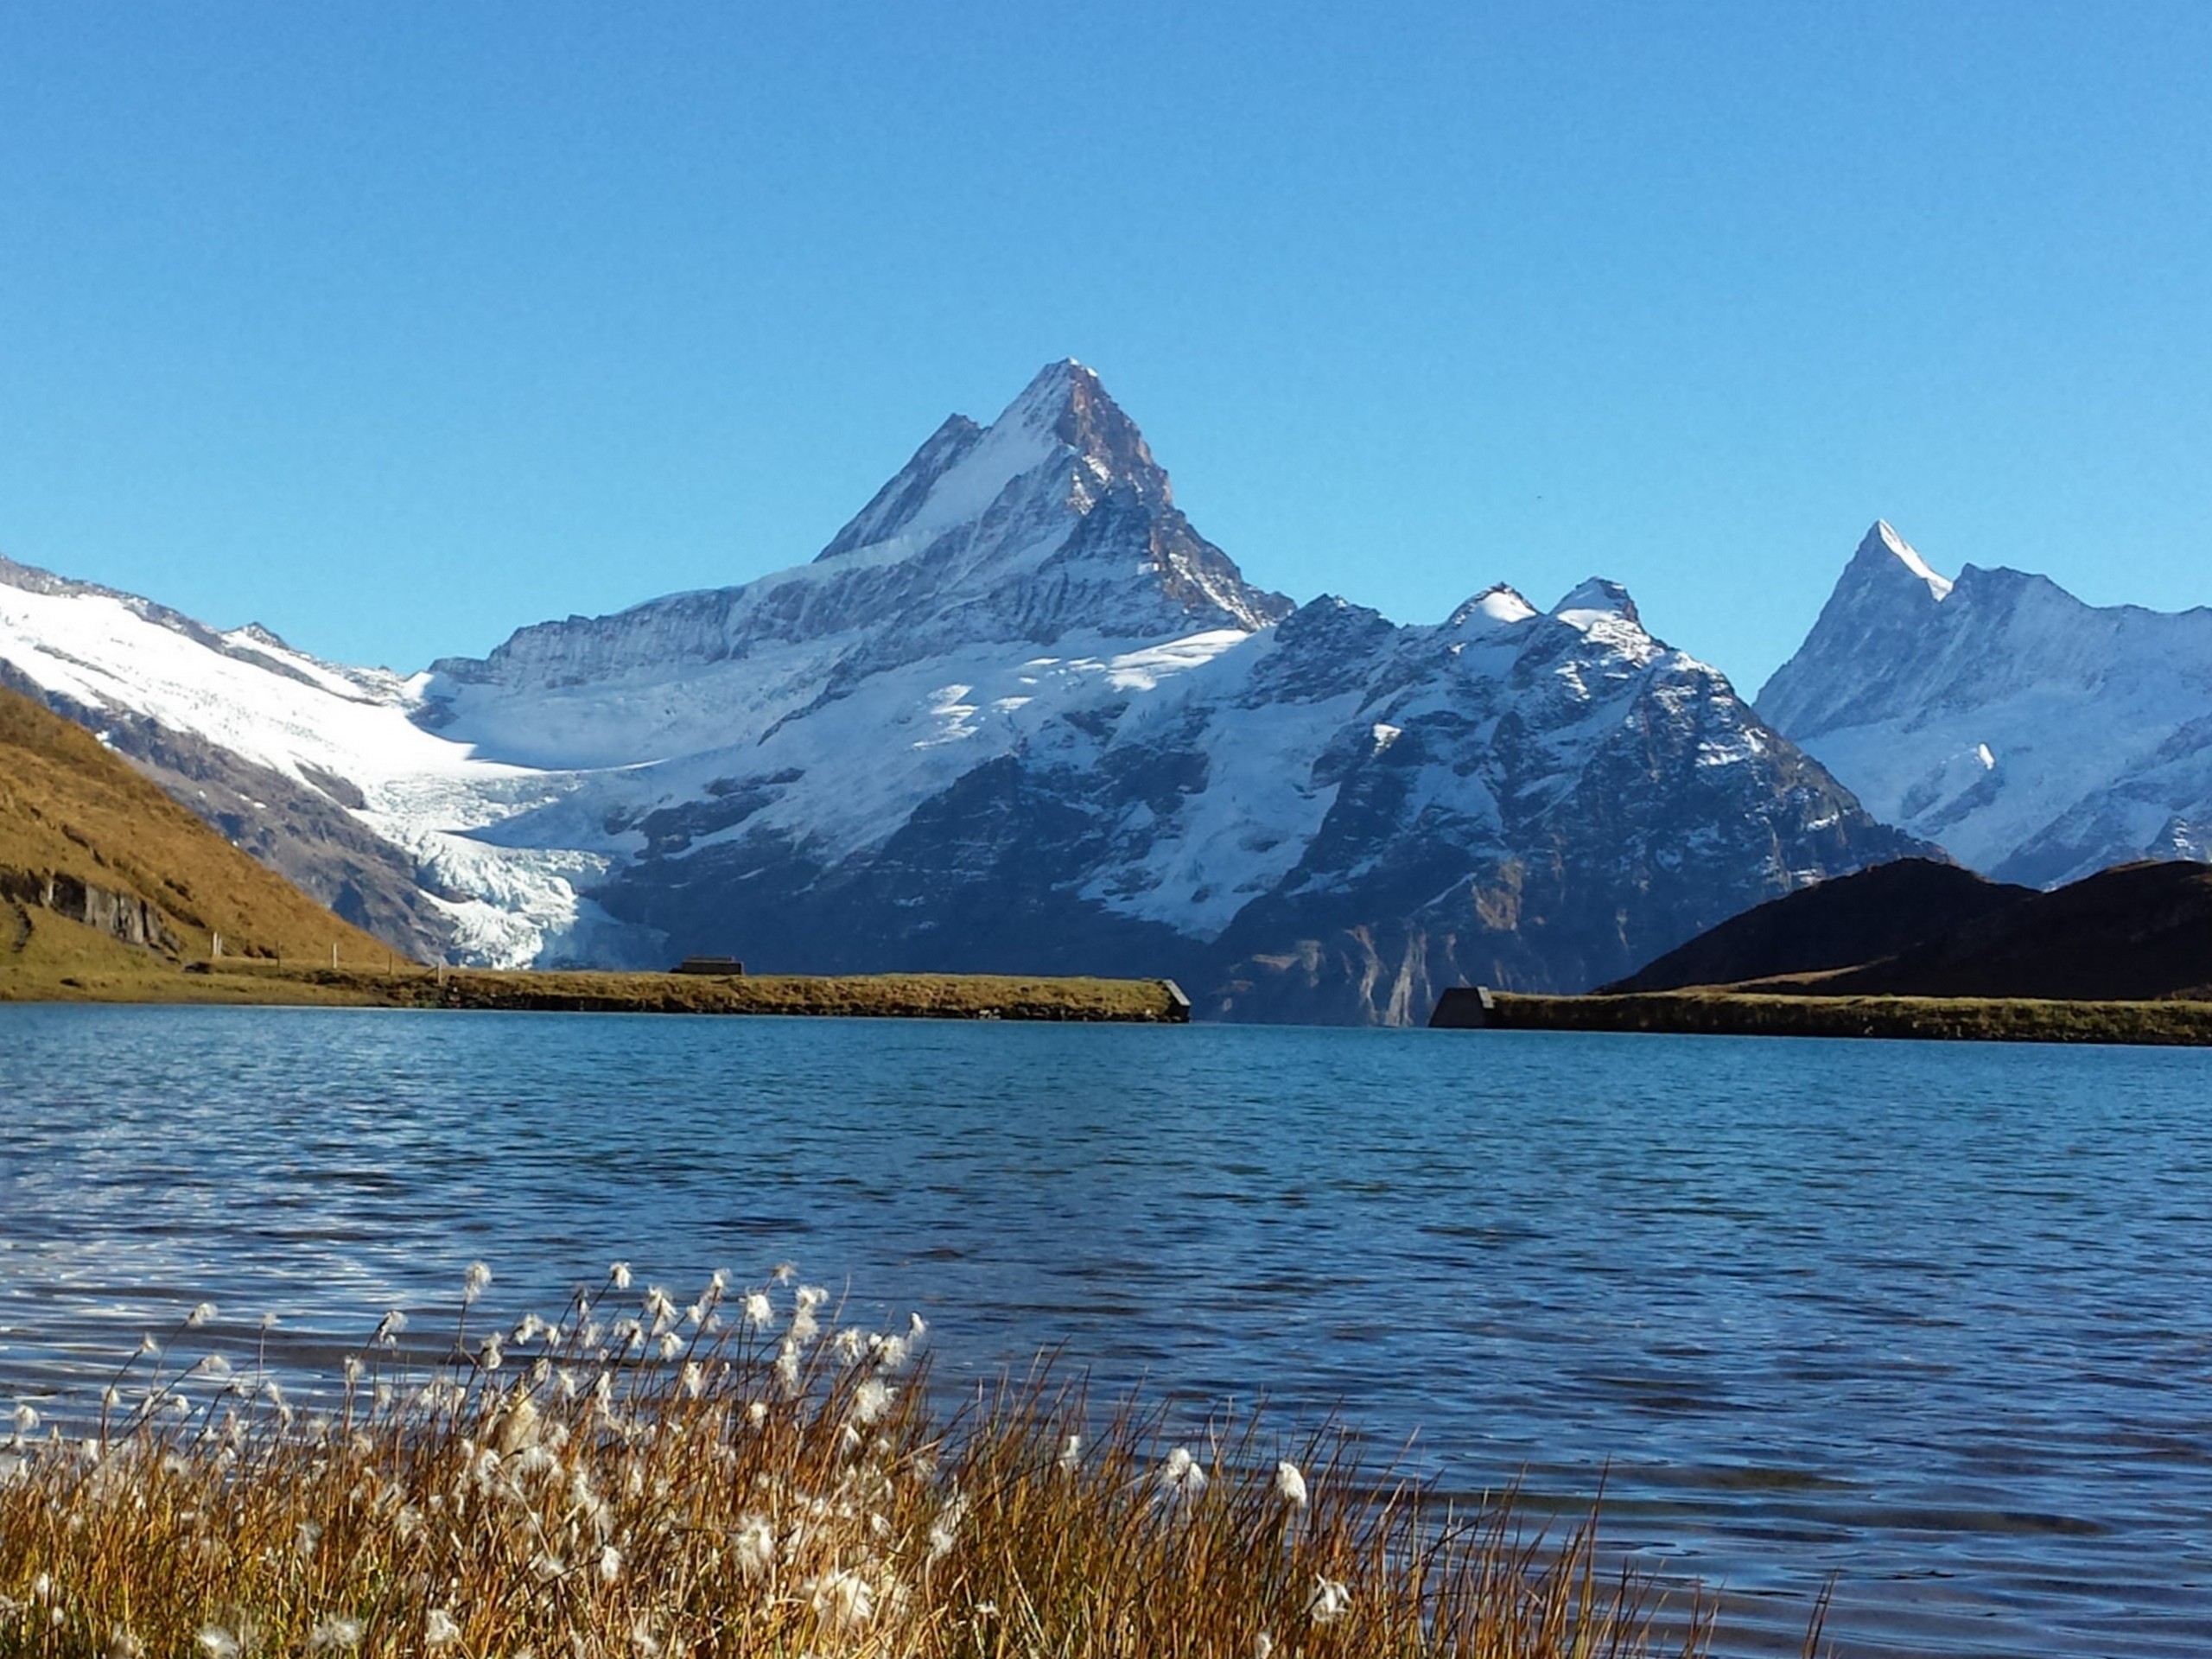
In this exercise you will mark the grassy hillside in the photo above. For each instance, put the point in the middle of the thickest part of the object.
(69, 809)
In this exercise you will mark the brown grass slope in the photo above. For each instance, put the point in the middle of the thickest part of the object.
(69, 809)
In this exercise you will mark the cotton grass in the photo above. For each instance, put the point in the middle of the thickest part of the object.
(776, 1484)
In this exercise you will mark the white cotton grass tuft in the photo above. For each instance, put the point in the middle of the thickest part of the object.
(618, 1275)
(439, 1629)
(474, 1282)
(757, 1308)
(843, 1599)
(336, 1634)
(752, 1546)
(871, 1400)
(1290, 1483)
(1181, 1477)
(200, 1316)
(1070, 1457)
(805, 1326)
(1331, 1601)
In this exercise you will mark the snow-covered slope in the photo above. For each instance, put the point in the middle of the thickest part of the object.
(318, 769)
(2036, 738)
(1017, 714)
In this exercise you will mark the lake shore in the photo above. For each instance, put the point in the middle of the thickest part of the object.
(940, 996)
(1737, 1013)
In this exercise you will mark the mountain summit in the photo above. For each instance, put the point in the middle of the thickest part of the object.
(1053, 521)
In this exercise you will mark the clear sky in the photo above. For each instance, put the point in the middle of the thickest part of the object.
(394, 326)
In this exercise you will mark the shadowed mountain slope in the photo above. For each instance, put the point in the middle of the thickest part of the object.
(1846, 923)
(2134, 933)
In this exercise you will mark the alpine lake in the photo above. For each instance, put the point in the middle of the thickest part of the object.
(1932, 1320)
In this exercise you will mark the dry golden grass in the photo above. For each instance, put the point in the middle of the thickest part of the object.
(734, 1479)
(68, 806)
(93, 968)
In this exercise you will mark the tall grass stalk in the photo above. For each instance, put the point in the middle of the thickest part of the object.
(742, 1477)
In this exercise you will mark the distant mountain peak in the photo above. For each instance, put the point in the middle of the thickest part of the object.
(1497, 606)
(1598, 597)
(1061, 482)
(1067, 403)
(1064, 413)
(2036, 737)
(1883, 547)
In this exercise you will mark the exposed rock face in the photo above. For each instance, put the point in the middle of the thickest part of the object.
(122, 916)
(1019, 715)
(2036, 738)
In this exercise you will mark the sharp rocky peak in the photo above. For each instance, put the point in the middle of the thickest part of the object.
(1883, 555)
(1064, 415)
(1069, 402)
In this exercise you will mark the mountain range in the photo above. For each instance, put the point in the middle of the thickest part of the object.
(2034, 737)
(1019, 715)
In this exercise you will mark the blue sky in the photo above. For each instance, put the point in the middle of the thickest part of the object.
(398, 326)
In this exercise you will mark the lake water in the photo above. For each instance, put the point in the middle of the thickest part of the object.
(1933, 1318)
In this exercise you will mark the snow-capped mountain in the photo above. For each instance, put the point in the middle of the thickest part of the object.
(2036, 738)
(1017, 714)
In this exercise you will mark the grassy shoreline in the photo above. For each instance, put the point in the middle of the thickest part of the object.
(948, 997)
(744, 1476)
(2021, 1020)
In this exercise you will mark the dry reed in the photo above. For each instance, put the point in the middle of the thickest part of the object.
(740, 1476)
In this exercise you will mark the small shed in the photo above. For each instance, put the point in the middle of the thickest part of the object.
(729, 967)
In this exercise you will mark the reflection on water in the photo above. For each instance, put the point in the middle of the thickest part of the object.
(1936, 1317)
